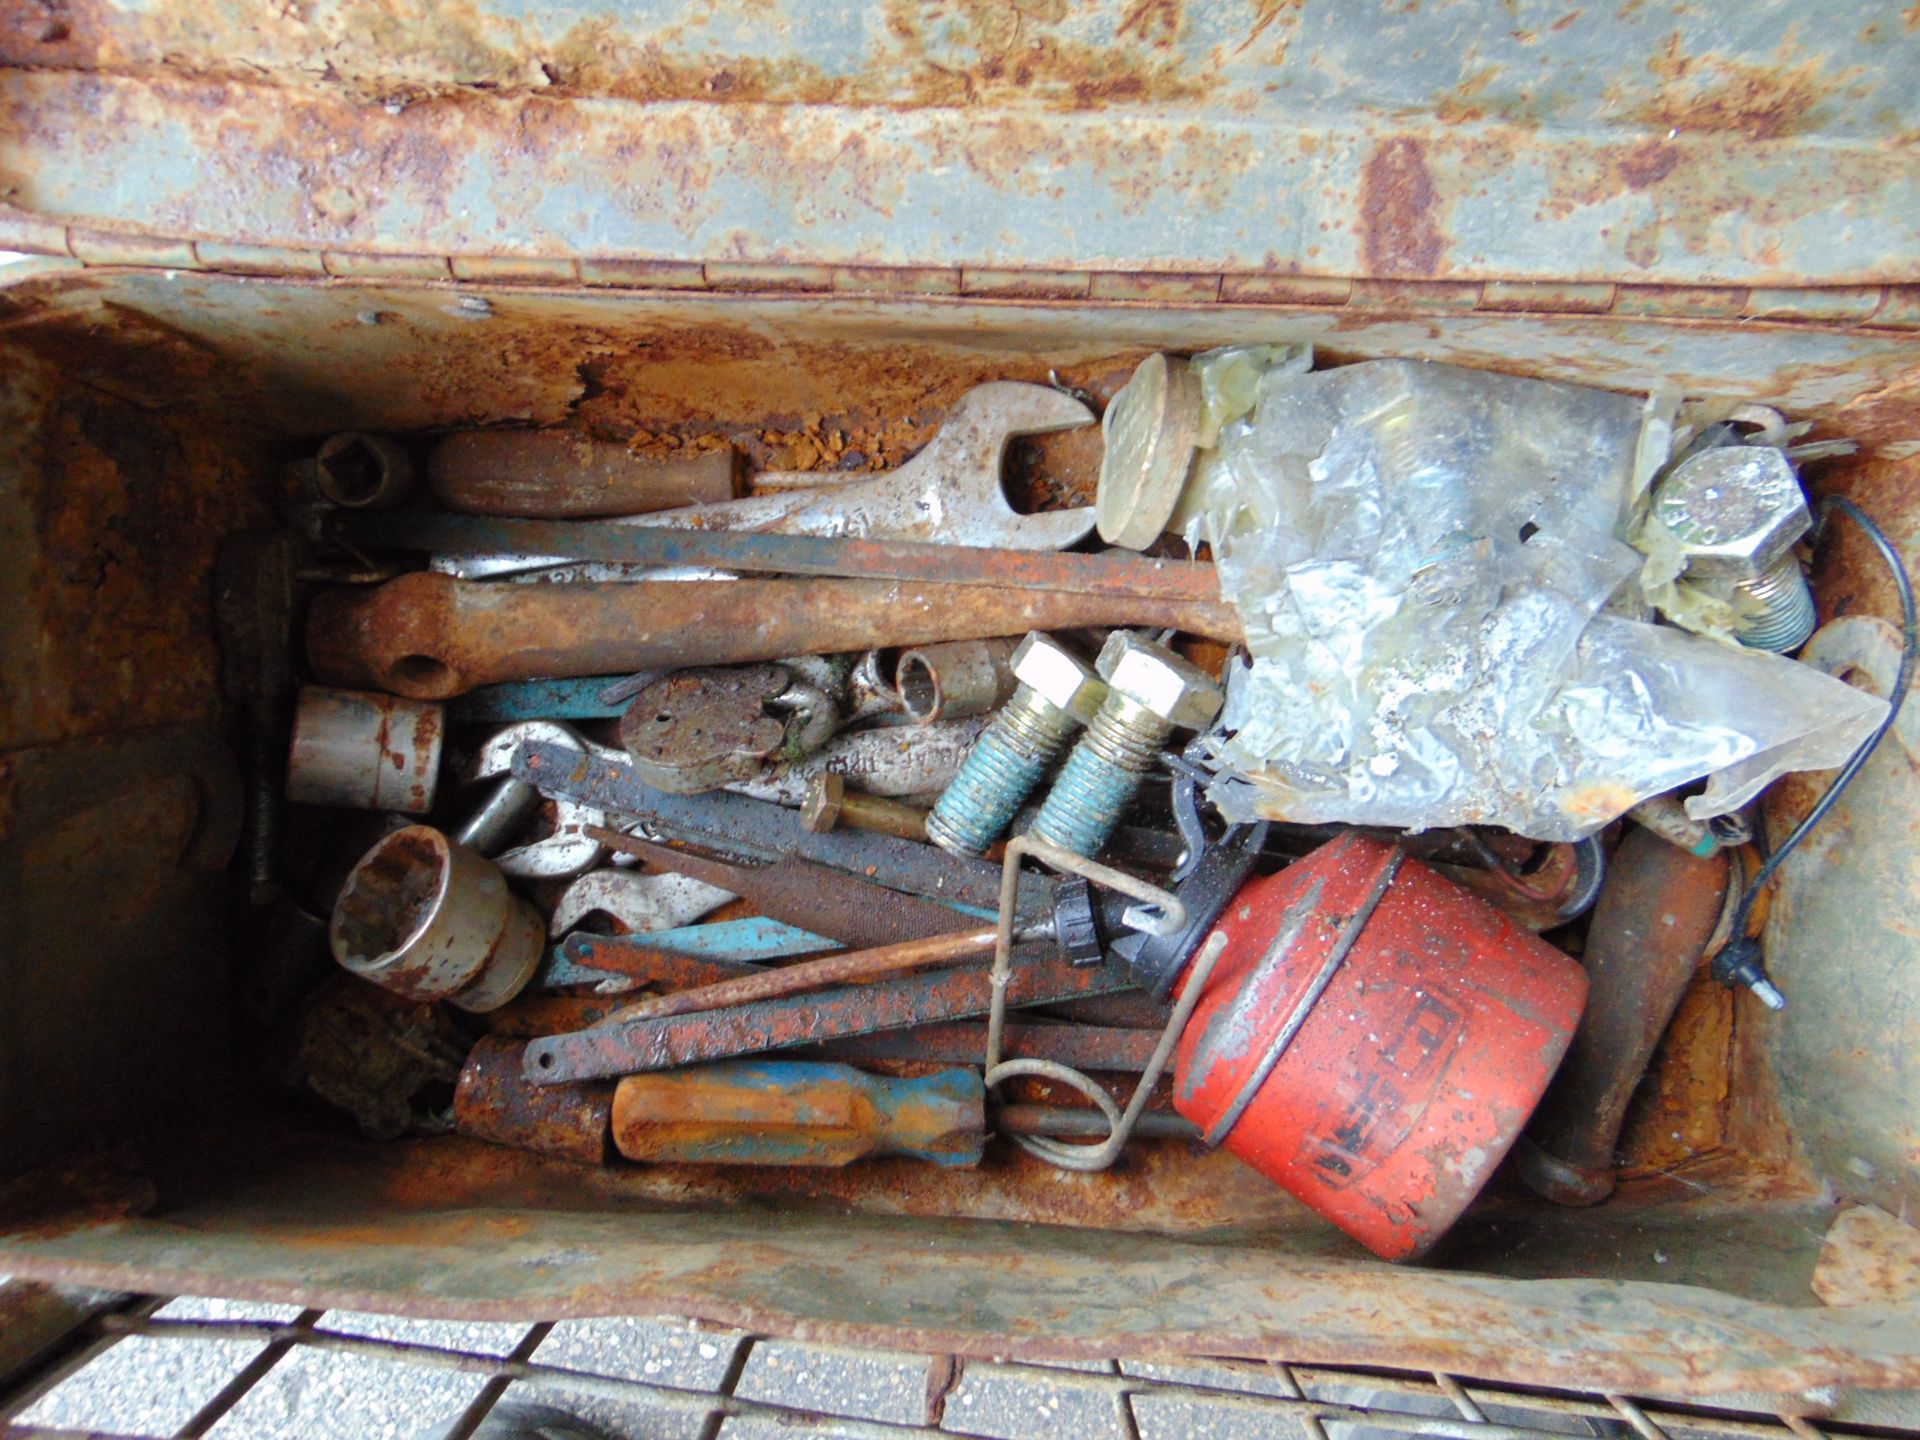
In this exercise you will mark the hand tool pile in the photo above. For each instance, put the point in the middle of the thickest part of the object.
(859, 817)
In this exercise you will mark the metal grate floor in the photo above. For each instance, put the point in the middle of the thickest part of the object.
(177, 1367)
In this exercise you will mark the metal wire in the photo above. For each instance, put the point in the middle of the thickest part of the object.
(1169, 915)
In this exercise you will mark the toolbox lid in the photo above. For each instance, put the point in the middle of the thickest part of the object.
(1141, 150)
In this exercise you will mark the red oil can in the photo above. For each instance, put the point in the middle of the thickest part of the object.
(1373, 1039)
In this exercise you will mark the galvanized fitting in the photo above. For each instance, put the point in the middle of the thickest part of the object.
(1738, 511)
(1151, 693)
(425, 917)
(365, 750)
(1056, 693)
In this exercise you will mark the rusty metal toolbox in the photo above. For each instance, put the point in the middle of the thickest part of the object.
(238, 229)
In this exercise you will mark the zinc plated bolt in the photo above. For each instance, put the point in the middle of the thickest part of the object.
(1738, 511)
(1056, 693)
(1151, 692)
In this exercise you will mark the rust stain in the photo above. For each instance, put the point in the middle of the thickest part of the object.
(1679, 1112)
(1400, 233)
(1155, 21)
(1869, 1258)
(1266, 12)
(1465, 103)
(1648, 164)
(1716, 93)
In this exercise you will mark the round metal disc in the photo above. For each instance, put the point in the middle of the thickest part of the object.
(1149, 430)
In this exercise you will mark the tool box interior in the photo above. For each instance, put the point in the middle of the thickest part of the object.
(150, 418)
(157, 1133)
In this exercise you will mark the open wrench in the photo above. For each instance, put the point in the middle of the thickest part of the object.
(567, 850)
(949, 493)
(638, 901)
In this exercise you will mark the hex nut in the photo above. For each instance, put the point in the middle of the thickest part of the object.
(1057, 676)
(1735, 509)
(1154, 677)
(826, 794)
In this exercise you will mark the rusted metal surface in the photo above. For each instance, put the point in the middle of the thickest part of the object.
(1251, 145)
(955, 994)
(758, 830)
(372, 1054)
(853, 556)
(494, 1101)
(884, 760)
(1649, 933)
(643, 963)
(959, 1042)
(426, 1229)
(457, 1228)
(565, 475)
(815, 897)
(431, 637)
(785, 1113)
(1869, 1258)
(359, 471)
(857, 967)
(638, 903)
(700, 729)
(832, 380)
(113, 901)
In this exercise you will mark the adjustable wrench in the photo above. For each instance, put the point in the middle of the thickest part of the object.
(949, 493)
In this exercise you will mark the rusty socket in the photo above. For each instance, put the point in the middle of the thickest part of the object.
(425, 917)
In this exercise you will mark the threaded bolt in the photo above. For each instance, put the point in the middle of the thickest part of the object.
(1056, 693)
(1785, 617)
(1003, 769)
(1152, 693)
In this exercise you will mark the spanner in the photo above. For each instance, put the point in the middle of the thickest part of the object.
(950, 493)
(567, 851)
(638, 901)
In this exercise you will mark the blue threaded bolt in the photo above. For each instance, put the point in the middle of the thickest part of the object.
(1151, 692)
(1056, 693)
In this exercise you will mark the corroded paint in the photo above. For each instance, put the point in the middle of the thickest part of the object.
(484, 176)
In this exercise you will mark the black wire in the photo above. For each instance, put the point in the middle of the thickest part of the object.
(1909, 651)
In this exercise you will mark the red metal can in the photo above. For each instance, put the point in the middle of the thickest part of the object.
(1373, 1038)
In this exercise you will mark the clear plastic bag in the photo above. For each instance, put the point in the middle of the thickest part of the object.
(1429, 563)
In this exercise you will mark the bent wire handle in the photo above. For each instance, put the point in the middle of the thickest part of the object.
(1171, 916)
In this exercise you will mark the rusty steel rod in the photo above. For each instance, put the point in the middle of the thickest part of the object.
(1040, 977)
(430, 637)
(1117, 575)
(834, 903)
(853, 968)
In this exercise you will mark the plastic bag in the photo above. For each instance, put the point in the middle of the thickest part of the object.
(1422, 555)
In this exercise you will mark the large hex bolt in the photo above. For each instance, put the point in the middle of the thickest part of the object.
(1056, 693)
(1738, 511)
(1151, 692)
